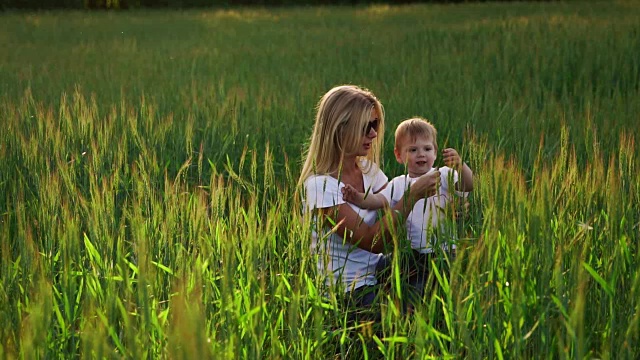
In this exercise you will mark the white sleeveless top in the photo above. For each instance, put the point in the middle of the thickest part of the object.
(342, 261)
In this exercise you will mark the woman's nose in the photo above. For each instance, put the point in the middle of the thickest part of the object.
(372, 133)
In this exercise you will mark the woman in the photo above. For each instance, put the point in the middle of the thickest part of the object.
(344, 148)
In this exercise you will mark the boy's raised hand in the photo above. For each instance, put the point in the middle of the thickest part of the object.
(451, 158)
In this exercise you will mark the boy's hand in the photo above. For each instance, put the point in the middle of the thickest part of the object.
(426, 185)
(350, 194)
(451, 158)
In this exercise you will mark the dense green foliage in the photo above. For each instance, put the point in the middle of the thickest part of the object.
(148, 200)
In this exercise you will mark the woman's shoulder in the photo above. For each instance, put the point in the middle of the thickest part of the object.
(322, 182)
(322, 191)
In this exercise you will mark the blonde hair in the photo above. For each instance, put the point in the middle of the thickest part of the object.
(341, 119)
(414, 128)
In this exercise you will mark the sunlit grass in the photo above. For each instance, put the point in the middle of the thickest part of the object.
(148, 205)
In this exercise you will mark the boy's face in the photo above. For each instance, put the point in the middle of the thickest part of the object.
(418, 155)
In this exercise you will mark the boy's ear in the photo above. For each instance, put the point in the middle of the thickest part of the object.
(398, 155)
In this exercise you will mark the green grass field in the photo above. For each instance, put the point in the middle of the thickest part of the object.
(149, 160)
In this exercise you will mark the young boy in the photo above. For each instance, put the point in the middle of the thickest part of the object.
(416, 147)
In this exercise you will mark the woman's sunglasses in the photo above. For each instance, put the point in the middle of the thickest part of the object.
(371, 125)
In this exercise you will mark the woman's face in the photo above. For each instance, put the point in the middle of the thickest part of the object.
(370, 132)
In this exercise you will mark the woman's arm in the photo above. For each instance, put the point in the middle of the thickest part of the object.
(349, 225)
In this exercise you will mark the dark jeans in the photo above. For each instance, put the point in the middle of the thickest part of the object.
(417, 279)
(416, 275)
(363, 303)
(423, 280)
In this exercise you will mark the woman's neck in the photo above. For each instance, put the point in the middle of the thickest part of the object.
(352, 175)
(348, 167)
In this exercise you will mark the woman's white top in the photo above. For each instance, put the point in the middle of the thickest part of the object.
(426, 220)
(338, 259)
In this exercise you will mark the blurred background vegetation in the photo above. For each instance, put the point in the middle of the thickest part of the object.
(126, 4)
(149, 162)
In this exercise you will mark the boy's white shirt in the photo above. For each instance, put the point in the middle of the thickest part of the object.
(425, 218)
(342, 259)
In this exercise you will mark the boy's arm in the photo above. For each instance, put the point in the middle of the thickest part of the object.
(466, 182)
(452, 159)
(371, 201)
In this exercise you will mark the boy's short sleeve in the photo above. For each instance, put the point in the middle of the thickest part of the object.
(322, 192)
(395, 189)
